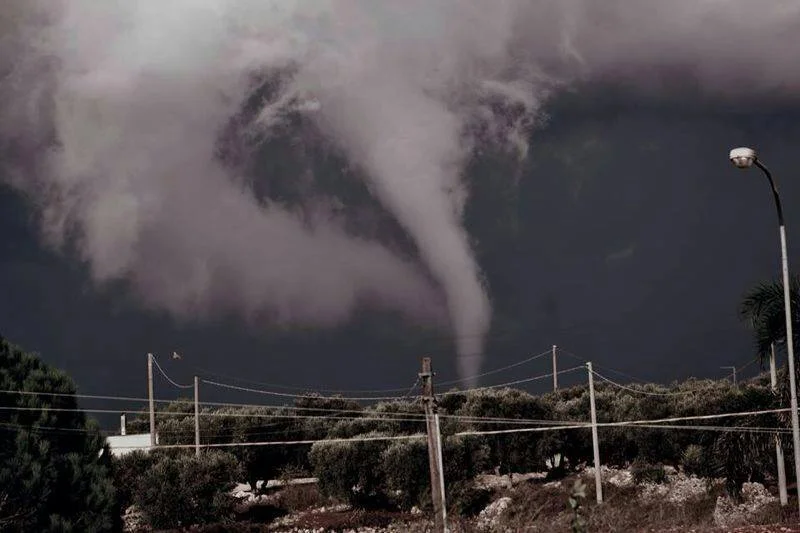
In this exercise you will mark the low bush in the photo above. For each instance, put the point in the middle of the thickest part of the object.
(405, 464)
(299, 497)
(694, 460)
(647, 473)
(186, 490)
(351, 471)
(129, 470)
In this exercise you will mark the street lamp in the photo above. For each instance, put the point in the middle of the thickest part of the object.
(746, 158)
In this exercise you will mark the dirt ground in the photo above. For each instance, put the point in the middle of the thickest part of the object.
(743, 529)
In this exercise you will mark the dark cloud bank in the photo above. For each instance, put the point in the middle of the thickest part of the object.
(498, 179)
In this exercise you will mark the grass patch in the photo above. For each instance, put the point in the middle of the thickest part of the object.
(296, 498)
(353, 519)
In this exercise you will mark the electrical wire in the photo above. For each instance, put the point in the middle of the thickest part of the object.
(517, 382)
(368, 391)
(288, 443)
(732, 429)
(9, 425)
(411, 388)
(645, 423)
(607, 369)
(76, 395)
(174, 384)
(287, 395)
(288, 387)
(647, 393)
(633, 423)
(495, 371)
(370, 416)
(222, 405)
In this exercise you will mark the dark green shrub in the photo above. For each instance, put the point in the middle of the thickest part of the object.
(647, 473)
(300, 497)
(405, 464)
(185, 490)
(129, 470)
(509, 452)
(351, 471)
(464, 457)
(695, 461)
(407, 470)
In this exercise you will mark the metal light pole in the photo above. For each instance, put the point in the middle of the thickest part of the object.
(745, 158)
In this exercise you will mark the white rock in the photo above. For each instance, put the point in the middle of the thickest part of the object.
(729, 514)
(488, 516)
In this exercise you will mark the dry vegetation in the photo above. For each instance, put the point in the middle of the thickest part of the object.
(535, 507)
(374, 485)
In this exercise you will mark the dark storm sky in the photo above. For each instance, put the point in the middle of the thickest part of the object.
(639, 240)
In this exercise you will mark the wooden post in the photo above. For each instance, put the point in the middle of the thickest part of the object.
(598, 485)
(150, 398)
(555, 370)
(196, 416)
(434, 447)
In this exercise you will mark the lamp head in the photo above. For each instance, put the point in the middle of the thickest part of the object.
(743, 157)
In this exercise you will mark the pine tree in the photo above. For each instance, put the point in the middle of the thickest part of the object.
(55, 471)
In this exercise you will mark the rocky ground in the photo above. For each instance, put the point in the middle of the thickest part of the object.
(527, 503)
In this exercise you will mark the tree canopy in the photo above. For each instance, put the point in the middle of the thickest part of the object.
(55, 472)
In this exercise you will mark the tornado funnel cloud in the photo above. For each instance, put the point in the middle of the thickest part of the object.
(113, 111)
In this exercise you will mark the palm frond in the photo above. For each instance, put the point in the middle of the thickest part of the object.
(763, 309)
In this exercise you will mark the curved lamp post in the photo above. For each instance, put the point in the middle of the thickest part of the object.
(745, 158)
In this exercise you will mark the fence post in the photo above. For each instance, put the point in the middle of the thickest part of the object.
(598, 485)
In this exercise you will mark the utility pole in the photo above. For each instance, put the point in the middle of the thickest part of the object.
(773, 378)
(598, 485)
(150, 398)
(434, 447)
(196, 416)
(555, 371)
(732, 368)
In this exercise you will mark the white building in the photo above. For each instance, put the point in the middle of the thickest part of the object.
(123, 443)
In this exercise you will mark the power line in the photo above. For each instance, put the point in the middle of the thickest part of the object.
(613, 371)
(9, 425)
(178, 385)
(367, 391)
(724, 429)
(288, 387)
(639, 380)
(647, 393)
(76, 395)
(288, 443)
(367, 416)
(287, 395)
(222, 405)
(752, 361)
(631, 423)
(411, 388)
(495, 371)
(644, 423)
(584, 425)
(517, 382)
